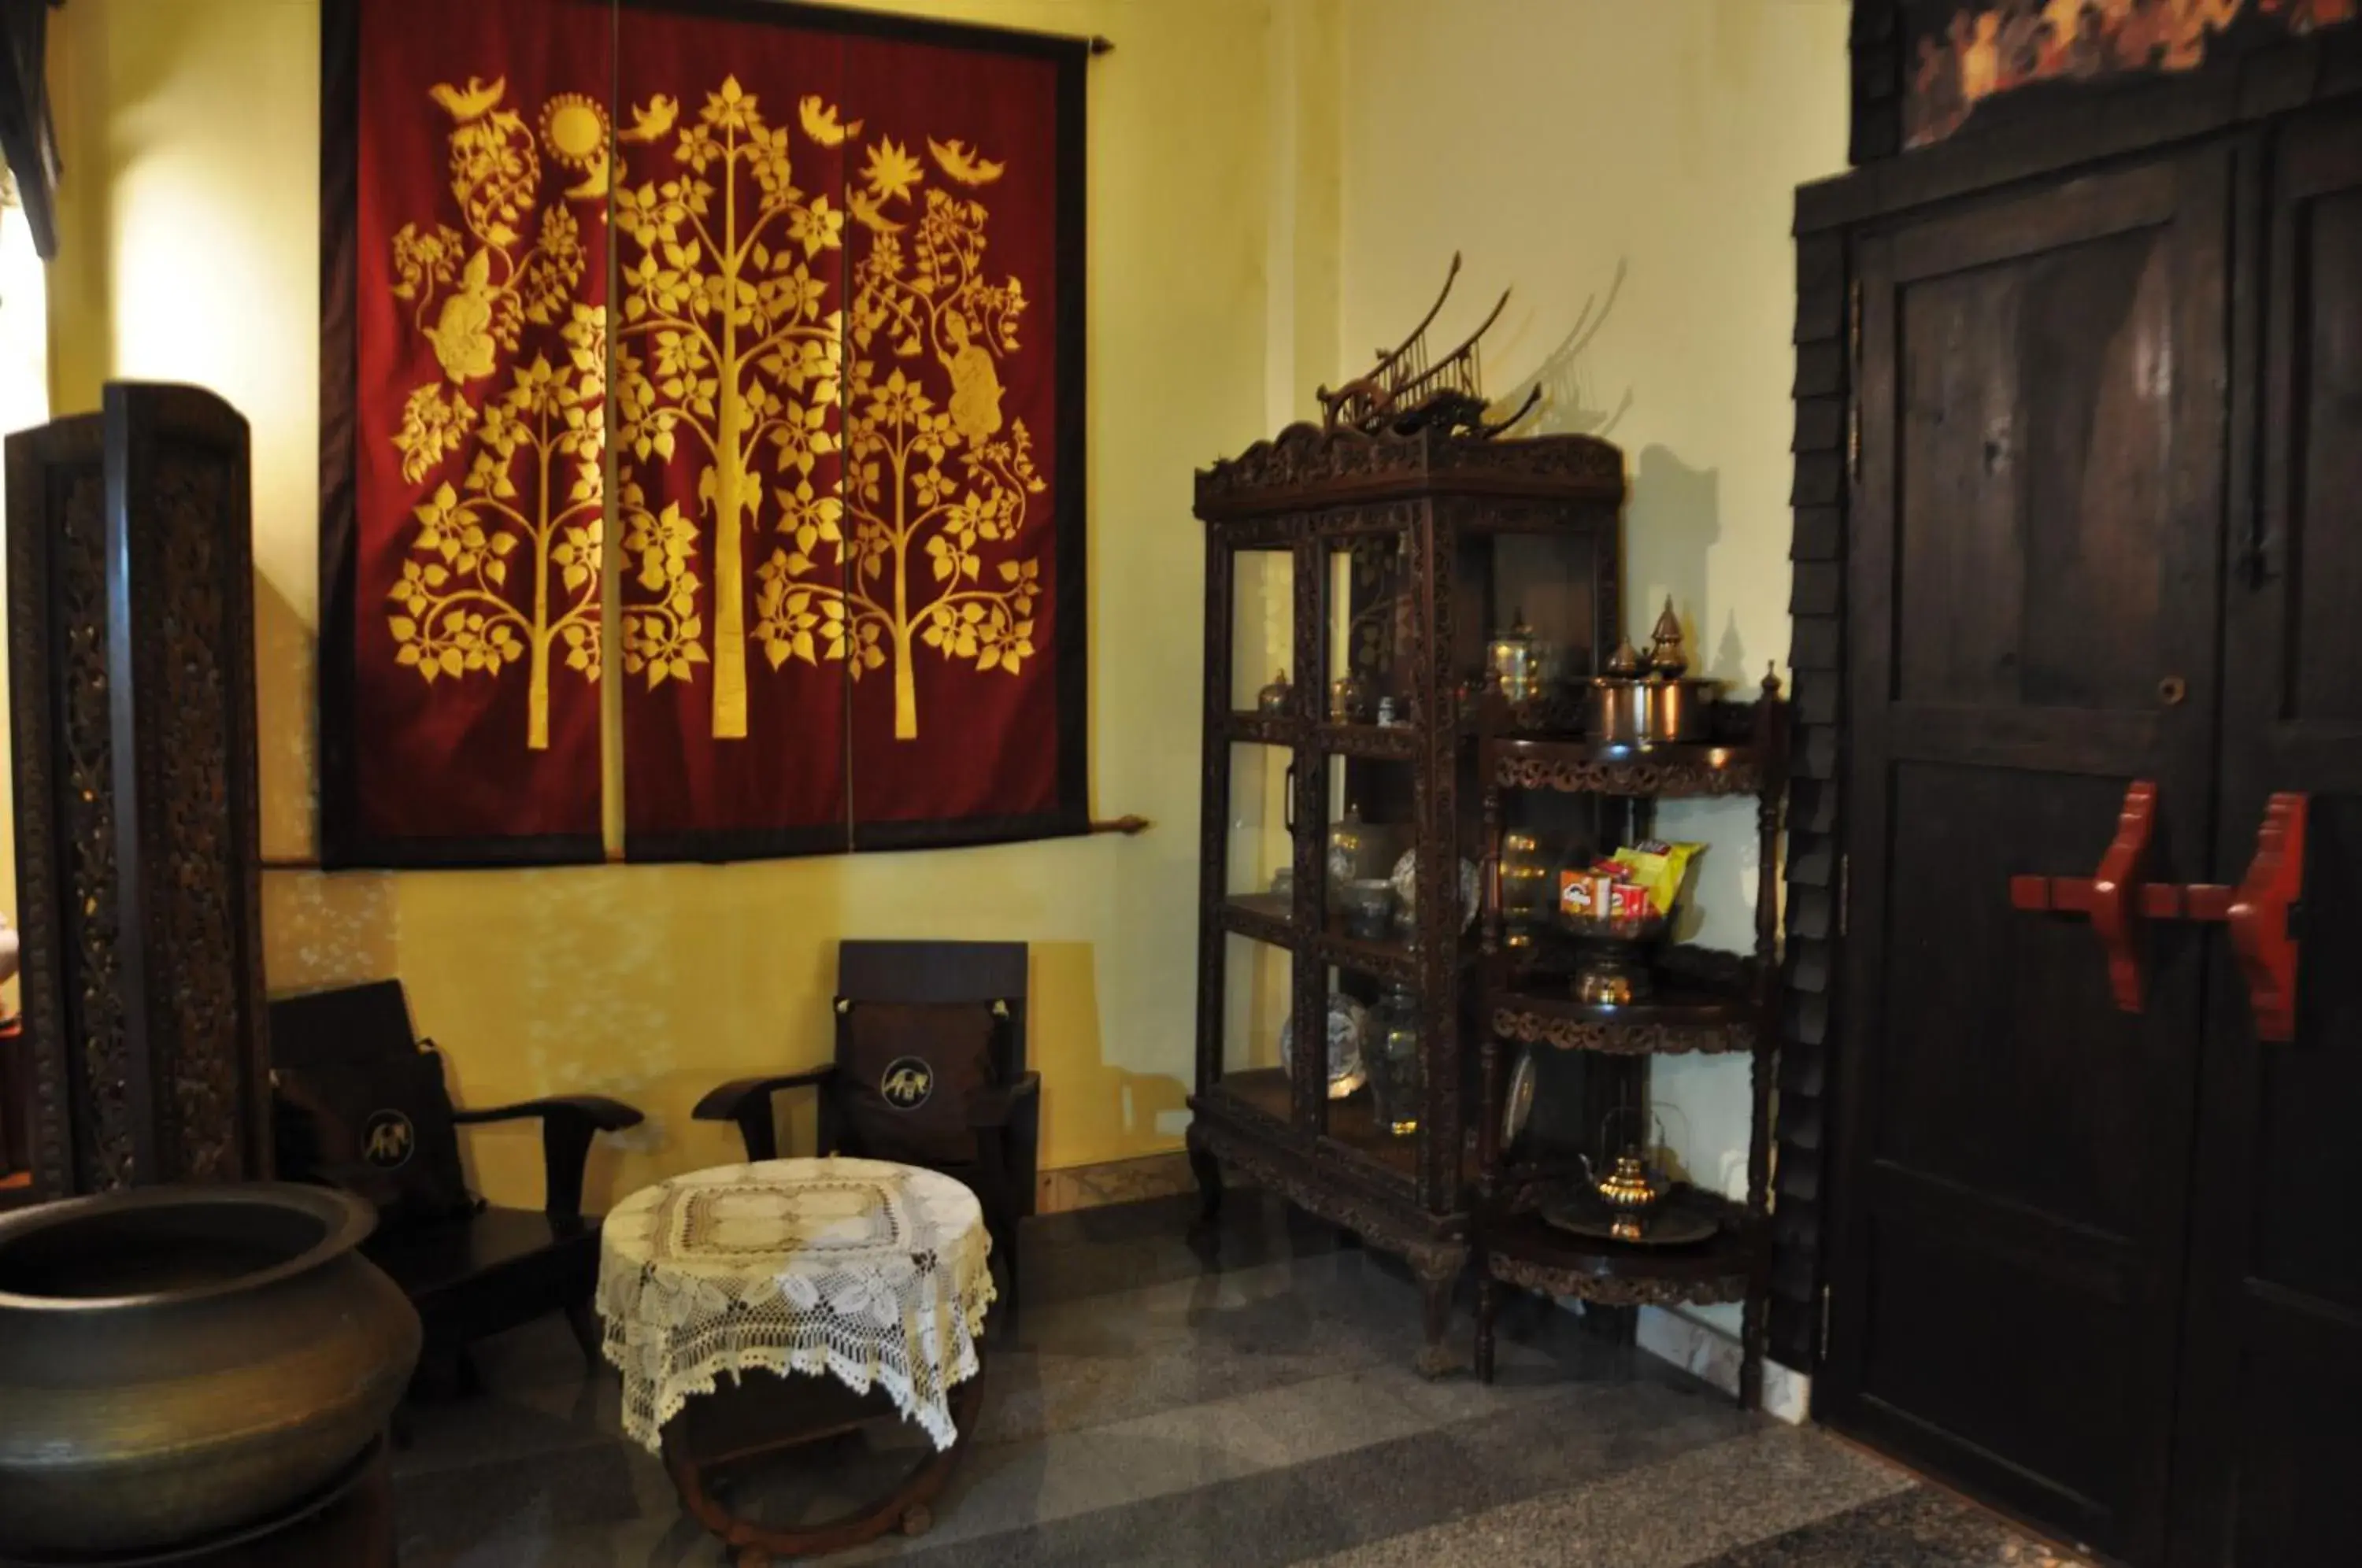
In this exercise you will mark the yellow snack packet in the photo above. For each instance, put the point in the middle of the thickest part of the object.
(1660, 867)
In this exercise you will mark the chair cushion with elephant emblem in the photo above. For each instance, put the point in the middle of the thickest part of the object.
(907, 1071)
(382, 1129)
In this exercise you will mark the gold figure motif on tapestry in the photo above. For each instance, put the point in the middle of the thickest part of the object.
(503, 567)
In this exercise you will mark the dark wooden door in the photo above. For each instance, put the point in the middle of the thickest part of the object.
(2271, 1426)
(2038, 523)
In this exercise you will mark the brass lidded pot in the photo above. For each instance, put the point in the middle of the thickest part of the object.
(1619, 699)
(1674, 702)
(177, 1363)
(1517, 659)
(1357, 852)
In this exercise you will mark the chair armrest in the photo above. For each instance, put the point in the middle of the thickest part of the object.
(994, 1107)
(606, 1115)
(724, 1103)
(747, 1102)
(568, 1122)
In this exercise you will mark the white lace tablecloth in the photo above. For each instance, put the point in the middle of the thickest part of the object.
(872, 1272)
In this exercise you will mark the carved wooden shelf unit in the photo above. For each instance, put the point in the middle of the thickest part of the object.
(1700, 1001)
(1402, 555)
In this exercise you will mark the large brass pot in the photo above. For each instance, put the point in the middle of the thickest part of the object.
(176, 1361)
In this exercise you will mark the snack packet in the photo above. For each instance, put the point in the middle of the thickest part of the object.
(1602, 895)
(1657, 867)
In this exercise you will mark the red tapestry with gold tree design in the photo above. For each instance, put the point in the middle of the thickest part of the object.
(759, 326)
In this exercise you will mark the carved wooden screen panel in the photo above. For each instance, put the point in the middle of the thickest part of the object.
(836, 393)
(136, 799)
(1927, 70)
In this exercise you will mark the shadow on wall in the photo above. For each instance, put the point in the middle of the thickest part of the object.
(1674, 518)
(1122, 1113)
(1570, 402)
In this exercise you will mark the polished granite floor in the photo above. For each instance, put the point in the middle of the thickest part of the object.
(1152, 1407)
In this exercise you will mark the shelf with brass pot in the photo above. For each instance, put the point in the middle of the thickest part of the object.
(1619, 1234)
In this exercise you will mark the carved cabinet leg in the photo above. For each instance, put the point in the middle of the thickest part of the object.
(1208, 1172)
(1437, 1275)
(1488, 1305)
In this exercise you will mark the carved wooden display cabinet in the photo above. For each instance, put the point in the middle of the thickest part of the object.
(1393, 560)
(1700, 1001)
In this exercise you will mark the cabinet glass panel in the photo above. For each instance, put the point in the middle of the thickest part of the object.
(1536, 583)
(1262, 623)
(1369, 831)
(1260, 848)
(1255, 995)
(1374, 1101)
(1368, 638)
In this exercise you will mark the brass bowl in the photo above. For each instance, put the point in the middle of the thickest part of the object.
(1617, 928)
(178, 1361)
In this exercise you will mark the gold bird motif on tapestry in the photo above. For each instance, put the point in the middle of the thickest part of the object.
(653, 121)
(964, 163)
(820, 123)
(865, 211)
(470, 102)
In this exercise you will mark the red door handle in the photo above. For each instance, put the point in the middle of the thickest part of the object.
(2117, 901)
(2112, 897)
(2259, 917)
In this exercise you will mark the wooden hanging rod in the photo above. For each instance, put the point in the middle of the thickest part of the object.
(1129, 827)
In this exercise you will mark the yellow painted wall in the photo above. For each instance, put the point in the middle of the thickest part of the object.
(1629, 168)
(1275, 186)
(191, 135)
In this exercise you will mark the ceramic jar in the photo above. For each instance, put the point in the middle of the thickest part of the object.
(1369, 905)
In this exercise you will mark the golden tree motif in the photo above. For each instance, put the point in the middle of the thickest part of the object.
(724, 337)
(930, 471)
(504, 566)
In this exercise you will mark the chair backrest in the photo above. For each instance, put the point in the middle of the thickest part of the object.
(349, 1026)
(941, 972)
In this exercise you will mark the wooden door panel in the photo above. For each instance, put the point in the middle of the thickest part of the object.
(2036, 431)
(2016, 1075)
(2299, 1439)
(2271, 1434)
(2273, 1425)
(2032, 1378)
(2306, 1239)
(2325, 506)
(2037, 542)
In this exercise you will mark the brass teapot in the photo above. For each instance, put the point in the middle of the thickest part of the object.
(1629, 1189)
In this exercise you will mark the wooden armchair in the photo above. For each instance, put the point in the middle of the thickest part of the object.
(913, 1019)
(359, 1102)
